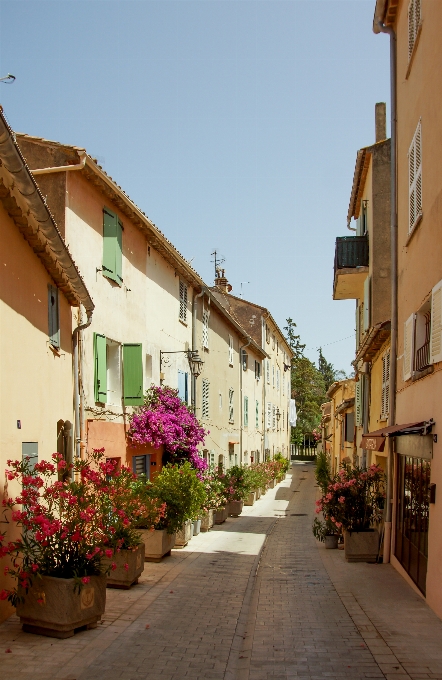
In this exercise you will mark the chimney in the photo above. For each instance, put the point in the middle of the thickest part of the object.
(221, 281)
(381, 121)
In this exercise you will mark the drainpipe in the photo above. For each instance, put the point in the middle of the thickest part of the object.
(78, 401)
(394, 310)
(241, 404)
(193, 378)
(63, 168)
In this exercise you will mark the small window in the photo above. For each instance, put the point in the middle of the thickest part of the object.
(205, 400)
(205, 342)
(30, 450)
(244, 360)
(183, 301)
(257, 370)
(112, 246)
(53, 317)
(283, 385)
(108, 383)
(183, 386)
(141, 465)
(113, 372)
(246, 411)
(415, 179)
(267, 334)
(349, 427)
(230, 350)
(231, 414)
(273, 341)
(414, 22)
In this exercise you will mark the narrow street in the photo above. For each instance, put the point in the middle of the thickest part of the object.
(255, 598)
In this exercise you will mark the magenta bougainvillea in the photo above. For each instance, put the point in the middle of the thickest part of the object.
(165, 420)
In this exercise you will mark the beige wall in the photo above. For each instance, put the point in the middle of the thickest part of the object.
(277, 439)
(339, 448)
(37, 386)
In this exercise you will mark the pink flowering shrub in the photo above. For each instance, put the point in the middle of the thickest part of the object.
(165, 420)
(354, 498)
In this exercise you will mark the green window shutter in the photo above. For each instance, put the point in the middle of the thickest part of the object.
(133, 375)
(100, 362)
(53, 316)
(112, 246)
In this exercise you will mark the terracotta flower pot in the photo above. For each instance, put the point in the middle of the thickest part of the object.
(54, 608)
(157, 544)
(331, 542)
(361, 546)
(251, 498)
(207, 521)
(221, 515)
(184, 536)
(235, 508)
(122, 577)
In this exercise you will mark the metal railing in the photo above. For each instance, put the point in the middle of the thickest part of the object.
(351, 252)
(422, 356)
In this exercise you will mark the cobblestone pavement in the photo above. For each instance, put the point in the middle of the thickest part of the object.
(255, 598)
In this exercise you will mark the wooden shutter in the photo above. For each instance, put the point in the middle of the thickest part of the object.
(268, 371)
(112, 246)
(273, 416)
(133, 375)
(367, 303)
(358, 403)
(119, 251)
(277, 379)
(53, 316)
(183, 301)
(414, 20)
(409, 346)
(231, 414)
(100, 373)
(415, 178)
(205, 404)
(385, 397)
(246, 411)
(436, 324)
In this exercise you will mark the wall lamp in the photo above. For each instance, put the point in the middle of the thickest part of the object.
(195, 362)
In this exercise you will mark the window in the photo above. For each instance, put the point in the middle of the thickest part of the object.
(385, 396)
(273, 341)
(231, 416)
(231, 452)
(273, 416)
(107, 373)
(277, 347)
(244, 360)
(267, 334)
(230, 350)
(183, 386)
(141, 465)
(415, 179)
(257, 370)
(349, 425)
(414, 22)
(205, 405)
(268, 371)
(220, 401)
(269, 415)
(183, 301)
(358, 402)
(246, 411)
(257, 415)
(273, 376)
(53, 317)
(206, 328)
(112, 246)
(30, 450)
(212, 459)
(277, 379)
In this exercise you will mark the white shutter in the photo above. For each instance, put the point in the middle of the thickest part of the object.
(183, 301)
(277, 379)
(367, 305)
(269, 415)
(268, 371)
(415, 179)
(385, 399)
(205, 405)
(230, 350)
(231, 417)
(358, 402)
(409, 346)
(273, 416)
(206, 329)
(414, 20)
(436, 324)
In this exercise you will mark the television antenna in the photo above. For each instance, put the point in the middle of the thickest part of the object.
(240, 295)
(218, 260)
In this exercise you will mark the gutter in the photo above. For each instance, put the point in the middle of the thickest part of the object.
(193, 383)
(63, 168)
(78, 401)
(241, 405)
(379, 27)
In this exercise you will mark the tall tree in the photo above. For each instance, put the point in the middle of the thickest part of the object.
(326, 369)
(293, 339)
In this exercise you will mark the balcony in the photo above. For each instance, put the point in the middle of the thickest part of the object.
(351, 267)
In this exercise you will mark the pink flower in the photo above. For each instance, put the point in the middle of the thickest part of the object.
(85, 579)
(113, 566)
(108, 553)
(341, 499)
(126, 566)
(4, 595)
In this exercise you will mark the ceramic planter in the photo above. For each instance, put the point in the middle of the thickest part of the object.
(235, 508)
(157, 544)
(251, 498)
(331, 542)
(207, 521)
(122, 577)
(54, 608)
(196, 527)
(184, 536)
(361, 546)
(221, 515)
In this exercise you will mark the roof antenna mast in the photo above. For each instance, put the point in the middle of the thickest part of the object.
(218, 261)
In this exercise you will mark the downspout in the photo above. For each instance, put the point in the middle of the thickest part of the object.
(241, 401)
(394, 310)
(78, 401)
(63, 168)
(193, 383)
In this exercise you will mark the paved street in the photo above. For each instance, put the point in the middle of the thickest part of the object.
(255, 598)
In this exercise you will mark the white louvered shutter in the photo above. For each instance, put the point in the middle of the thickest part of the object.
(268, 371)
(414, 20)
(358, 332)
(415, 179)
(385, 401)
(230, 350)
(231, 417)
(273, 416)
(205, 329)
(436, 324)
(409, 346)
(269, 415)
(277, 379)
(183, 301)
(205, 405)
(358, 403)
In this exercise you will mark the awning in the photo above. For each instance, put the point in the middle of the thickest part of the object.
(375, 441)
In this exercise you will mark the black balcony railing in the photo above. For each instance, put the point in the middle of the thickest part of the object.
(351, 251)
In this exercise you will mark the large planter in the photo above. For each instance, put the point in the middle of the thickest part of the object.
(54, 608)
(331, 542)
(251, 498)
(257, 494)
(207, 521)
(196, 527)
(221, 515)
(123, 577)
(235, 508)
(184, 536)
(263, 491)
(361, 546)
(272, 484)
(157, 544)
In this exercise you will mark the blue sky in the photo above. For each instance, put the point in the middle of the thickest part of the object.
(233, 124)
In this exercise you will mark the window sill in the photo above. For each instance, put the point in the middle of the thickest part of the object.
(55, 350)
(416, 42)
(415, 228)
(183, 322)
(417, 375)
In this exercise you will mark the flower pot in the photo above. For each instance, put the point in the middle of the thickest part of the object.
(251, 498)
(196, 527)
(257, 494)
(184, 535)
(263, 491)
(207, 520)
(272, 484)
(157, 544)
(235, 508)
(361, 546)
(331, 542)
(123, 577)
(54, 608)
(221, 515)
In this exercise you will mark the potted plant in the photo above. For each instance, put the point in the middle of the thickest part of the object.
(214, 499)
(237, 487)
(354, 502)
(326, 532)
(56, 560)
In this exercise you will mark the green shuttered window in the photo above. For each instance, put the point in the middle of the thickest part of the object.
(100, 373)
(133, 375)
(53, 316)
(112, 246)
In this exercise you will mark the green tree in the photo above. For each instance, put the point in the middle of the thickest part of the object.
(293, 339)
(326, 369)
(308, 390)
